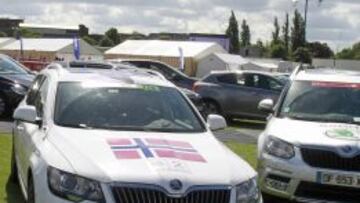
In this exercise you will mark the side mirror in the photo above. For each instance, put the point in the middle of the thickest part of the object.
(26, 113)
(266, 106)
(216, 122)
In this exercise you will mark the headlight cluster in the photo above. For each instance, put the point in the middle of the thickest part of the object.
(248, 192)
(19, 89)
(72, 187)
(279, 148)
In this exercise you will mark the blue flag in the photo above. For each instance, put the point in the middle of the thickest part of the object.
(76, 46)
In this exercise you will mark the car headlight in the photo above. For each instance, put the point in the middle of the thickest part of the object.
(73, 187)
(279, 148)
(248, 192)
(19, 89)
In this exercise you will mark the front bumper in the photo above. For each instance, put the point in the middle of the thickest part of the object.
(295, 180)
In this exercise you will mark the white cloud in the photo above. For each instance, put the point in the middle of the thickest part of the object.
(336, 22)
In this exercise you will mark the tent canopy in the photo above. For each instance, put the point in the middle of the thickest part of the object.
(163, 48)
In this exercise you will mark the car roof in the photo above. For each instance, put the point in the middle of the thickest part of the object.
(219, 72)
(328, 75)
(106, 76)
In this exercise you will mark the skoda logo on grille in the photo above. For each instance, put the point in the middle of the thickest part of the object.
(176, 184)
(348, 151)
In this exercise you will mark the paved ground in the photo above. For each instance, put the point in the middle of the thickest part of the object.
(5, 126)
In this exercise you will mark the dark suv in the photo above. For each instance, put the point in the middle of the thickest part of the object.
(170, 73)
(15, 80)
(237, 94)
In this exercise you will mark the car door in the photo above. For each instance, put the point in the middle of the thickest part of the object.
(262, 87)
(234, 94)
(26, 133)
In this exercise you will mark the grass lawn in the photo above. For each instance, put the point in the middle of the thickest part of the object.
(11, 193)
(246, 151)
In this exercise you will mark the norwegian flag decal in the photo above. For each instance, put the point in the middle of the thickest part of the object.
(154, 148)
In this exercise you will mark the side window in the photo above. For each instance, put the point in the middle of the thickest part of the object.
(38, 94)
(275, 85)
(252, 80)
(30, 99)
(227, 79)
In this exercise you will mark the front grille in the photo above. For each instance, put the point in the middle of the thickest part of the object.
(329, 160)
(147, 195)
(327, 192)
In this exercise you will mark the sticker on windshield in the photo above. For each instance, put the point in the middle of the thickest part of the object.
(150, 88)
(343, 134)
(154, 148)
(336, 85)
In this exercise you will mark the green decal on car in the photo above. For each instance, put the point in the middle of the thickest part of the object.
(343, 134)
(150, 88)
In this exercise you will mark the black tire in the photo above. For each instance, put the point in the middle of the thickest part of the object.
(3, 106)
(30, 191)
(14, 170)
(212, 107)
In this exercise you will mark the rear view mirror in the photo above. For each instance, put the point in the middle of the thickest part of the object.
(266, 105)
(26, 113)
(216, 122)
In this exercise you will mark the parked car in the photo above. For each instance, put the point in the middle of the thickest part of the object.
(237, 94)
(310, 148)
(15, 80)
(170, 73)
(129, 137)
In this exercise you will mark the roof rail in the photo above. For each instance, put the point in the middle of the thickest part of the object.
(56, 66)
(144, 71)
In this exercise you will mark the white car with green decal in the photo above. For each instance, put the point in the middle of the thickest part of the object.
(310, 149)
(121, 136)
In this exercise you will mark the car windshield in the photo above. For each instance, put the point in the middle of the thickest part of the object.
(8, 66)
(323, 102)
(133, 108)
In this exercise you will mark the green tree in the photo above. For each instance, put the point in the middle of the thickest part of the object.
(3, 34)
(302, 55)
(27, 33)
(297, 32)
(113, 35)
(245, 34)
(90, 40)
(352, 53)
(106, 42)
(278, 51)
(276, 34)
(285, 34)
(232, 32)
(320, 50)
(260, 45)
(83, 30)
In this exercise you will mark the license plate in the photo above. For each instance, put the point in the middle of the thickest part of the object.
(277, 185)
(347, 180)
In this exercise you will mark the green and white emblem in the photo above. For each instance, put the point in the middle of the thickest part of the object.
(342, 134)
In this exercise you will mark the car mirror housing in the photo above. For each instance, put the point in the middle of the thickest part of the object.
(26, 113)
(216, 122)
(266, 105)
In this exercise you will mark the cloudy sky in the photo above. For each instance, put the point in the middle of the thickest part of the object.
(336, 22)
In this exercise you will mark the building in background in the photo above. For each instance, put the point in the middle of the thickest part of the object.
(222, 40)
(52, 31)
(337, 64)
(41, 51)
(169, 36)
(166, 51)
(8, 26)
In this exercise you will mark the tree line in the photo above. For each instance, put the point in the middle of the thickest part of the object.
(288, 41)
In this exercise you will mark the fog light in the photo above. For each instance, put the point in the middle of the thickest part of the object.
(277, 182)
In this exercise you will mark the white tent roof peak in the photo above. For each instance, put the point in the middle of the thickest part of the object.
(231, 58)
(39, 44)
(162, 48)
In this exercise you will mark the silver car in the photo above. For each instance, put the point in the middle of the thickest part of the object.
(237, 94)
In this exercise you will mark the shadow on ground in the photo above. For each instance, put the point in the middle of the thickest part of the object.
(13, 193)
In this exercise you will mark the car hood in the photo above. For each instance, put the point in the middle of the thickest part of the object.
(113, 156)
(22, 79)
(314, 133)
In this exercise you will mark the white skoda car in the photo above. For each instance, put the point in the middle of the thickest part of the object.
(121, 136)
(310, 150)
